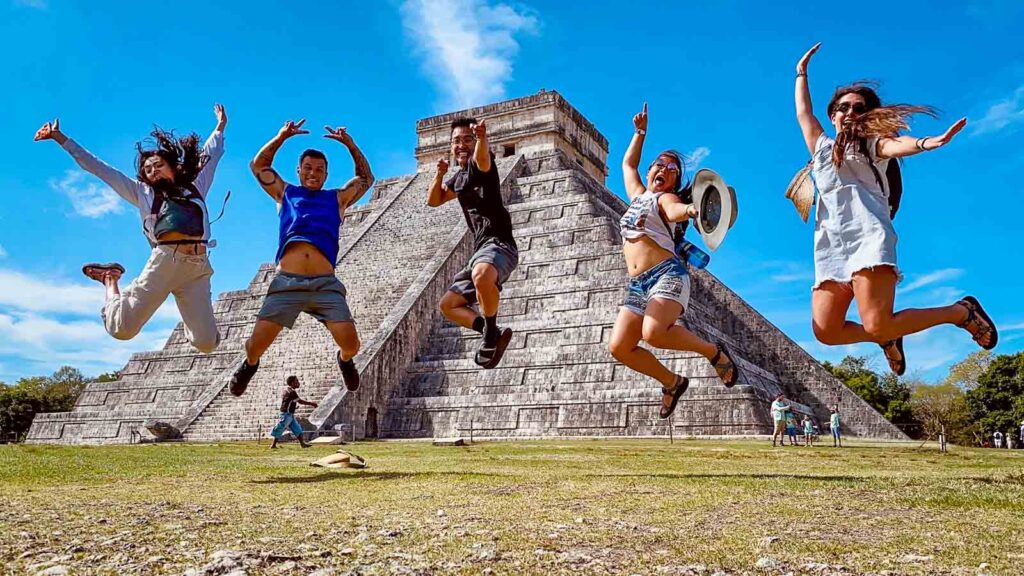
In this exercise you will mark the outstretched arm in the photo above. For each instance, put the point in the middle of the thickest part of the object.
(809, 125)
(261, 165)
(213, 149)
(439, 193)
(481, 152)
(675, 209)
(306, 402)
(901, 146)
(631, 161)
(128, 188)
(354, 189)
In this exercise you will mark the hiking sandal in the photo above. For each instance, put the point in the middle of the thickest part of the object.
(488, 358)
(97, 272)
(723, 363)
(978, 323)
(673, 394)
(898, 361)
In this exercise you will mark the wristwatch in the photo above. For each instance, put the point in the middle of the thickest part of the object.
(641, 131)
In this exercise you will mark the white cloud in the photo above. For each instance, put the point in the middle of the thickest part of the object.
(1011, 327)
(1002, 114)
(696, 157)
(469, 45)
(88, 198)
(931, 278)
(28, 293)
(40, 345)
(3, 253)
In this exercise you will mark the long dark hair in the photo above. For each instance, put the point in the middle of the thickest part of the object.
(184, 154)
(879, 120)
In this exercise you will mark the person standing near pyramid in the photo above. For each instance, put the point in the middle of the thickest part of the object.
(170, 188)
(659, 283)
(308, 243)
(477, 187)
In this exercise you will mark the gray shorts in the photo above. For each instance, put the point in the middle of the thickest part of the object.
(322, 297)
(500, 255)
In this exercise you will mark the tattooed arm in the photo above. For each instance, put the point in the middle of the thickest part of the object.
(261, 165)
(354, 189)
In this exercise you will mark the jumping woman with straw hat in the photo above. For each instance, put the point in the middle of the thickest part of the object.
(856, 178)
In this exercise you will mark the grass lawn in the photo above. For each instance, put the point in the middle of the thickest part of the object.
(540, 507)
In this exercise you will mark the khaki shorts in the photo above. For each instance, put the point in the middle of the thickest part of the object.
(780, 427)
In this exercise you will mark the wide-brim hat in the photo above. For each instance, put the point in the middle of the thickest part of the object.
(340, 459)
(716, 207)
(801, 192)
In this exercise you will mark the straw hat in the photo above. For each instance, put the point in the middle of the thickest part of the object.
(716, 205)
(801, 192)
(340, 459)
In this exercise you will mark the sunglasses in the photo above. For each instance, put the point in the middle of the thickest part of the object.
(856, 107)
(464, 140)
(670, 167)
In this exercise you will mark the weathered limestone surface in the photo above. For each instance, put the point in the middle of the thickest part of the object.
(418, 376)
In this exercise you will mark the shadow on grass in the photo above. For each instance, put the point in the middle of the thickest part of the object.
(762, 476)
(343, 475)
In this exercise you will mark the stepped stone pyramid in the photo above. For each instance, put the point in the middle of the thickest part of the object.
(418, 377)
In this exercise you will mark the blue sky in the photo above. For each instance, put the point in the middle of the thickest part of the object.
(718, 78)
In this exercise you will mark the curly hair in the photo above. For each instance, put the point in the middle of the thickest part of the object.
(184, 155)
(878, 121)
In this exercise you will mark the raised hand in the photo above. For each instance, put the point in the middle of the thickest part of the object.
(640, 120)
(339, 134)
(480, 130)
(442, 165)
(222, 116)
(801, 66)
(49, 131)
(948, 134)
(292, 129)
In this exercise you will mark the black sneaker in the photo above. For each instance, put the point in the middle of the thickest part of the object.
(349, 373)
(240, 379)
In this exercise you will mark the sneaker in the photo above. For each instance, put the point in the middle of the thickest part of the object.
(349, 373)
(243, 374)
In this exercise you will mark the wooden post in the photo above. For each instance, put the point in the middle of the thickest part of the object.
(470, 429)
(671, 428)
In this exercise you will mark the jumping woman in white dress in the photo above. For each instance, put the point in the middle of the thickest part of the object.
(854, 238)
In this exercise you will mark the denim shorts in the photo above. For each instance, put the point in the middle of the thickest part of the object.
(668, 280)
(322, 297)
(500, 255)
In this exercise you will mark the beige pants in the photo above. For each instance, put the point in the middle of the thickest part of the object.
(185, 276)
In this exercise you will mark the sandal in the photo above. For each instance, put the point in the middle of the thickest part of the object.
(723, 363)
(98, 272)
(488, 358)
(673, 394)
(978, 323)
(897, 364)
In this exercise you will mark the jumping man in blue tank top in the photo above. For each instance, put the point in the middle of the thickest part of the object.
(311, 219)
(478, 189)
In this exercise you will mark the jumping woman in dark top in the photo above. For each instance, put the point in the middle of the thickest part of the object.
(659, 285)
(170, 193)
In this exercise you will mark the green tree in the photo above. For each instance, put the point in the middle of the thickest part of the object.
(943, 406)
(888, 394)
(966, 372)
(997, 402)
(20, 402)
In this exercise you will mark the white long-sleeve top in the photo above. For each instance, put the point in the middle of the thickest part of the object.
(141, 195)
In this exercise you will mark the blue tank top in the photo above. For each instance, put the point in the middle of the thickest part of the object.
(310, 216)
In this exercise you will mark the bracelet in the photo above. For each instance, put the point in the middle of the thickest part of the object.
(920, 144)
(641, 131)
(799, 74)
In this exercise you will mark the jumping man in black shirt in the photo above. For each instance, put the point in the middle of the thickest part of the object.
(478, 189)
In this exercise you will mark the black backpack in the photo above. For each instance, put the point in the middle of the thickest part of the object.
(893, 178)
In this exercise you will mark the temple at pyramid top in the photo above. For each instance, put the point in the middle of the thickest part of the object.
(527, 126)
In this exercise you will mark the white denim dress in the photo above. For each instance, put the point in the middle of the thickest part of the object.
(852, 227)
